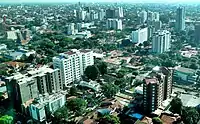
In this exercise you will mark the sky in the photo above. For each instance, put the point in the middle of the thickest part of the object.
(133, 1)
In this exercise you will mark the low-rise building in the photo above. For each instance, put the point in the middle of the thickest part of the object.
(184, 75)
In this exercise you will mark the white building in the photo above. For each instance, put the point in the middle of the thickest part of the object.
(140, 35)
(72, 64)
(11, 35)
(115, 24)
(161, 41)
(40, 108)
(71, 29)
(101, 14)
(82, 14)
(119, 12)
(3, 46)
(143, 16)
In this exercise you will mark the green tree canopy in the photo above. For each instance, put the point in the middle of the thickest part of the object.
(102, 66)
(92, 72)
(190, 115)
(109, 119)
(77, 105)
(176, 105)
(6, 119)
(73, 91)
(109, 89)
(157, 120)
(61, 115)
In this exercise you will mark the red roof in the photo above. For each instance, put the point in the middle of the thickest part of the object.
(70, 53)
(152, 81)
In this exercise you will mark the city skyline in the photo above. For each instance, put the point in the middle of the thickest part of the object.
(90, 1)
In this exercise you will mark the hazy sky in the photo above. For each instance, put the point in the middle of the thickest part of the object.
(134, 1)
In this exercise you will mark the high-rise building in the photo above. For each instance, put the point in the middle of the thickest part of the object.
(161, 41)
(143, 16)
(157, 87)
(110, 13)
(140, 35)
(81, 14)
(157, 25)
(180, 19)
(197, 33)
(119, 12)
(152, 94)
(115, 24)
(24, 87)
(151, 31)
(72, 64)
(71, 29)
(167, 75)
(101, 14)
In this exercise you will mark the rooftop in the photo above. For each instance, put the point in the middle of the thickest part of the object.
(151, 81)
(185, 70)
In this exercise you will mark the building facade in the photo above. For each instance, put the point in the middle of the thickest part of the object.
(161, 41)
(73, 64)
(140, 35)
(197, 33)
(25, 87)
(115, 24)
(143, 16)
(152, 94)
(180, 19)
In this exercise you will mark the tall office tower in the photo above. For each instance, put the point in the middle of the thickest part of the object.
(143, 16)
(71, 29)
(150, 16)
(101, 14)
(166, 73)
(161, 41)
(156, 16)
(75, 13)
(79, 26)
(23, 88)
(152, 94)
(81, 14)
(157, 25)
(110, 13)
(151, 31)
(115, 24)
(72, 64)
(180, 19)
(197, 33)
(87, 9)
(119, 12)
(140, 35)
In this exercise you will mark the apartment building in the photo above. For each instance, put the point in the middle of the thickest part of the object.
(72, 64)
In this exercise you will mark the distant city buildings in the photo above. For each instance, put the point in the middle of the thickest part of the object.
(101, 14)
(110, 13)
(197, 33)
(180, 19)
(119, 12)
(71, 29)
(140, 35)
(72, 64)
(161, 41)
(115, 24)
(143, 16)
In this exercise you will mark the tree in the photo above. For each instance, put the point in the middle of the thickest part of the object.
(102, 66)
(77, 106)
(6, 119)
(176, 105)
(120, 82)
(156, 120)
(109, 90)
(190, 115)
(194, 66)
(109, 119)
(92, 72)
(73, 91)
(146, 43)
(61, 115)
